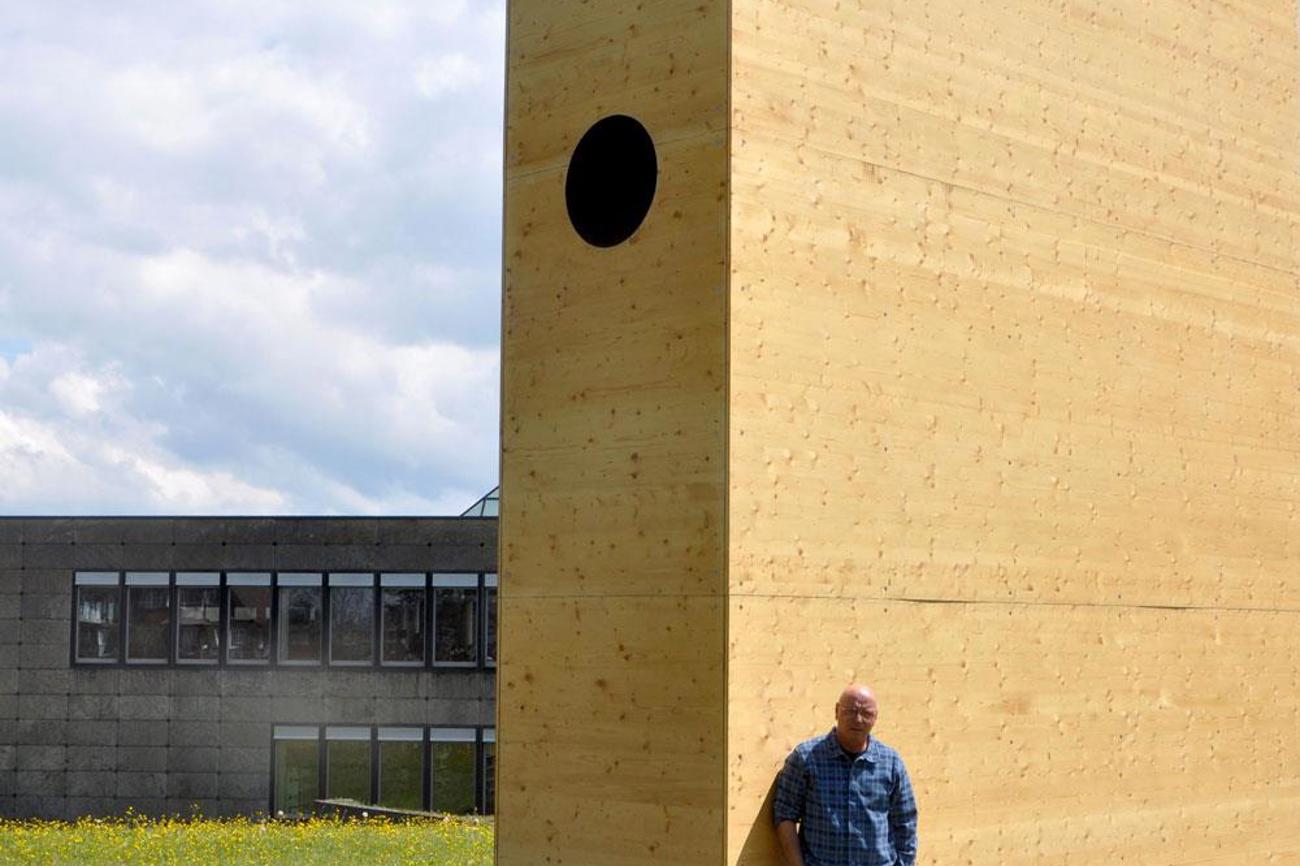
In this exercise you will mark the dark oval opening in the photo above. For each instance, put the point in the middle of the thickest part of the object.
(611, 181)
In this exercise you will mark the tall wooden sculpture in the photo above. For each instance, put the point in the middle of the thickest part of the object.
(952, 347)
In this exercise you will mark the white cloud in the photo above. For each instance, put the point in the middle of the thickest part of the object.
(448, 73)
(163, 109)
(249, 256)
(80, 394)
(50, 469)
(179, 488)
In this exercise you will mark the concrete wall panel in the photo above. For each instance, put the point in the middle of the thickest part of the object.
(96, 740)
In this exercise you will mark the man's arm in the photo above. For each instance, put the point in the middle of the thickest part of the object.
(787, 807)
(788, 835)
(902, 818)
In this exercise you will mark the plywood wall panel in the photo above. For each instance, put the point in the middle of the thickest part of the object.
(611, 707)
(1015, 332)
(1035, 733)
(611, 717)
(1135, 116)
(616, 388)
(979, 346)
(573, 62)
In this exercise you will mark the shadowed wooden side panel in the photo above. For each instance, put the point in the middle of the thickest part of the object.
(1015, 332)
(611, 684)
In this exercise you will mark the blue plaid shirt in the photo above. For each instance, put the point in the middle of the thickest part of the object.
(852, 810)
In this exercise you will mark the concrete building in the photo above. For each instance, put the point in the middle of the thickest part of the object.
(243, 665)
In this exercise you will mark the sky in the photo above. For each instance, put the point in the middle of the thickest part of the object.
(249, 256)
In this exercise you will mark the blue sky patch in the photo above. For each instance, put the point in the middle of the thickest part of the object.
(12, 347)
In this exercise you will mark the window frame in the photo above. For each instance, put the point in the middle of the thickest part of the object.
(456, 580)
(296, 732)
(98, 580)
(299, 580)
(349, 734)
(486, 736)
(479, 584)
(425, 735)
(401, 734)
(405, 581)
(456, 734)
(182, 580)
(255, 580)
(350, 580)
(488, 581)
(148, 580)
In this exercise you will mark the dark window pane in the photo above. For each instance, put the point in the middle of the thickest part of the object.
(490, 630)
(148, 623)
(352, 623)
(399, 775)
(250, 623)
(455, 611)
(199, 617)
(403, 615)
(300, 623)
(97, 622)
(297, 777)
(452, 770)
(348, 770)
(489, 778)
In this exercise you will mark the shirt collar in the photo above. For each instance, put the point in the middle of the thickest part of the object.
(870, 755)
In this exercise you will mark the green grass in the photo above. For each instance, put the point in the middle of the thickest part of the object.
(241, 841)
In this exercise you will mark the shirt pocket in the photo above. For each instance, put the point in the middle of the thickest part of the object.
(873, 792)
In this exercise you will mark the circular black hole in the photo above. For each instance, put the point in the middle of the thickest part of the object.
(611, 181)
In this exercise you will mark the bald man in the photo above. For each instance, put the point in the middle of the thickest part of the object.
(844, 799)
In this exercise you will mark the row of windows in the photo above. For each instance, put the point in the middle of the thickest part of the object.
(288, 618)
(432, 769)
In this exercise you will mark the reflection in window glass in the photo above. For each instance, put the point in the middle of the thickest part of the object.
(451, 767)
(400, 772)
(148, 623)
(490, 627)
(403, 622)
(488, 506)
(198, 613)
(489, 777)
(455, 618)
(97, 623)
(297, 777)
(347, 770)
(250, 623)
(352, 623)
(300, 623)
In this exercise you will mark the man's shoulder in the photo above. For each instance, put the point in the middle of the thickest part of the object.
(812, 743)
(882, 753)
(810, 747)
(883, 750)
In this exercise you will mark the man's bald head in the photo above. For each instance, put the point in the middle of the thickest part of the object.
(855, 715)
(855, 693)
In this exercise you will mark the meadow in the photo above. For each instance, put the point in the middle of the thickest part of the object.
(244, 841)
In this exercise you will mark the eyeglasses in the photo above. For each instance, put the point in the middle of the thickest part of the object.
(857, 712)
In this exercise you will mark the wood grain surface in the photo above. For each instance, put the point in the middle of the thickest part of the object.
(959, 354)
(611, 681)
(1014, 418)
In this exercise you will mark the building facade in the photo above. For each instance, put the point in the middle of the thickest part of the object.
(242, 665)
